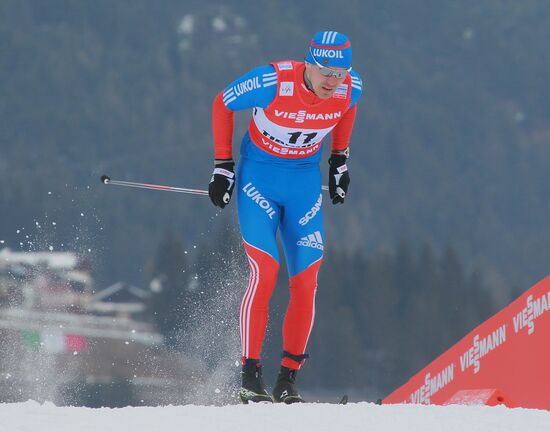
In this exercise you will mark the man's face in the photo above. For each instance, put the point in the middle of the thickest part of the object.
(324, 87)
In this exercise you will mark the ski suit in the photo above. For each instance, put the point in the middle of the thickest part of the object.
(278, 183)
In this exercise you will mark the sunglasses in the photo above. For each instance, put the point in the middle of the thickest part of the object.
(328, 72)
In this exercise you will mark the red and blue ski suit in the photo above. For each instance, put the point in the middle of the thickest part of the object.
(279, 188)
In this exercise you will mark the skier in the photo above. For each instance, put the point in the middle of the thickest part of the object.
(294, 106)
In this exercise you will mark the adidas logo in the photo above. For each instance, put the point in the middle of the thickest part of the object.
(312, 240)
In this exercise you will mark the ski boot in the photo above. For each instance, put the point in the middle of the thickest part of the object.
(284, 390)
(253, 387)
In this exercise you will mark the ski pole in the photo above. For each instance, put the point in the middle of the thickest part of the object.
(107, 181)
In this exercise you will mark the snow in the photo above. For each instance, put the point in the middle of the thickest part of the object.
(32, 416)
(219, 24)
(187, 25)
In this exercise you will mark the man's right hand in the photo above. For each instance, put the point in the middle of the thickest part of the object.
(222, 183)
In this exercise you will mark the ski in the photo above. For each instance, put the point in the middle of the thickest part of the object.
(343, 401)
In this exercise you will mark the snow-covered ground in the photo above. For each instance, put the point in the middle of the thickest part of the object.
(32, 416)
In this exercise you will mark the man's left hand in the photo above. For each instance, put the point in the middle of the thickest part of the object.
(338, 181)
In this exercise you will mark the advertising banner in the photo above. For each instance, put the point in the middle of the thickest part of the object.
(509, 353)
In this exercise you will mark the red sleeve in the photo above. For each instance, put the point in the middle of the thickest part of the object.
(342, 131)
(222, 129)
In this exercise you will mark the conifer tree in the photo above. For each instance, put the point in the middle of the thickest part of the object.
(169, 285)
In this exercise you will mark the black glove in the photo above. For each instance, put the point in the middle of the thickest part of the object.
(222, 183)
(338, 180)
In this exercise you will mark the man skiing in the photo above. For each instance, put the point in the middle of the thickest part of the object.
(294, 106)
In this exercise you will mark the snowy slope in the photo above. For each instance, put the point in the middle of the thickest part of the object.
(31, 416)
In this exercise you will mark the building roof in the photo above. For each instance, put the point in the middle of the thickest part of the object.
(54, 260)
(119, 297)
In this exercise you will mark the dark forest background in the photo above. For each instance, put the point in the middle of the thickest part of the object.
(447, 218)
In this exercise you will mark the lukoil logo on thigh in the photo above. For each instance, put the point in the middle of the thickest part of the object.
(259, 199)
